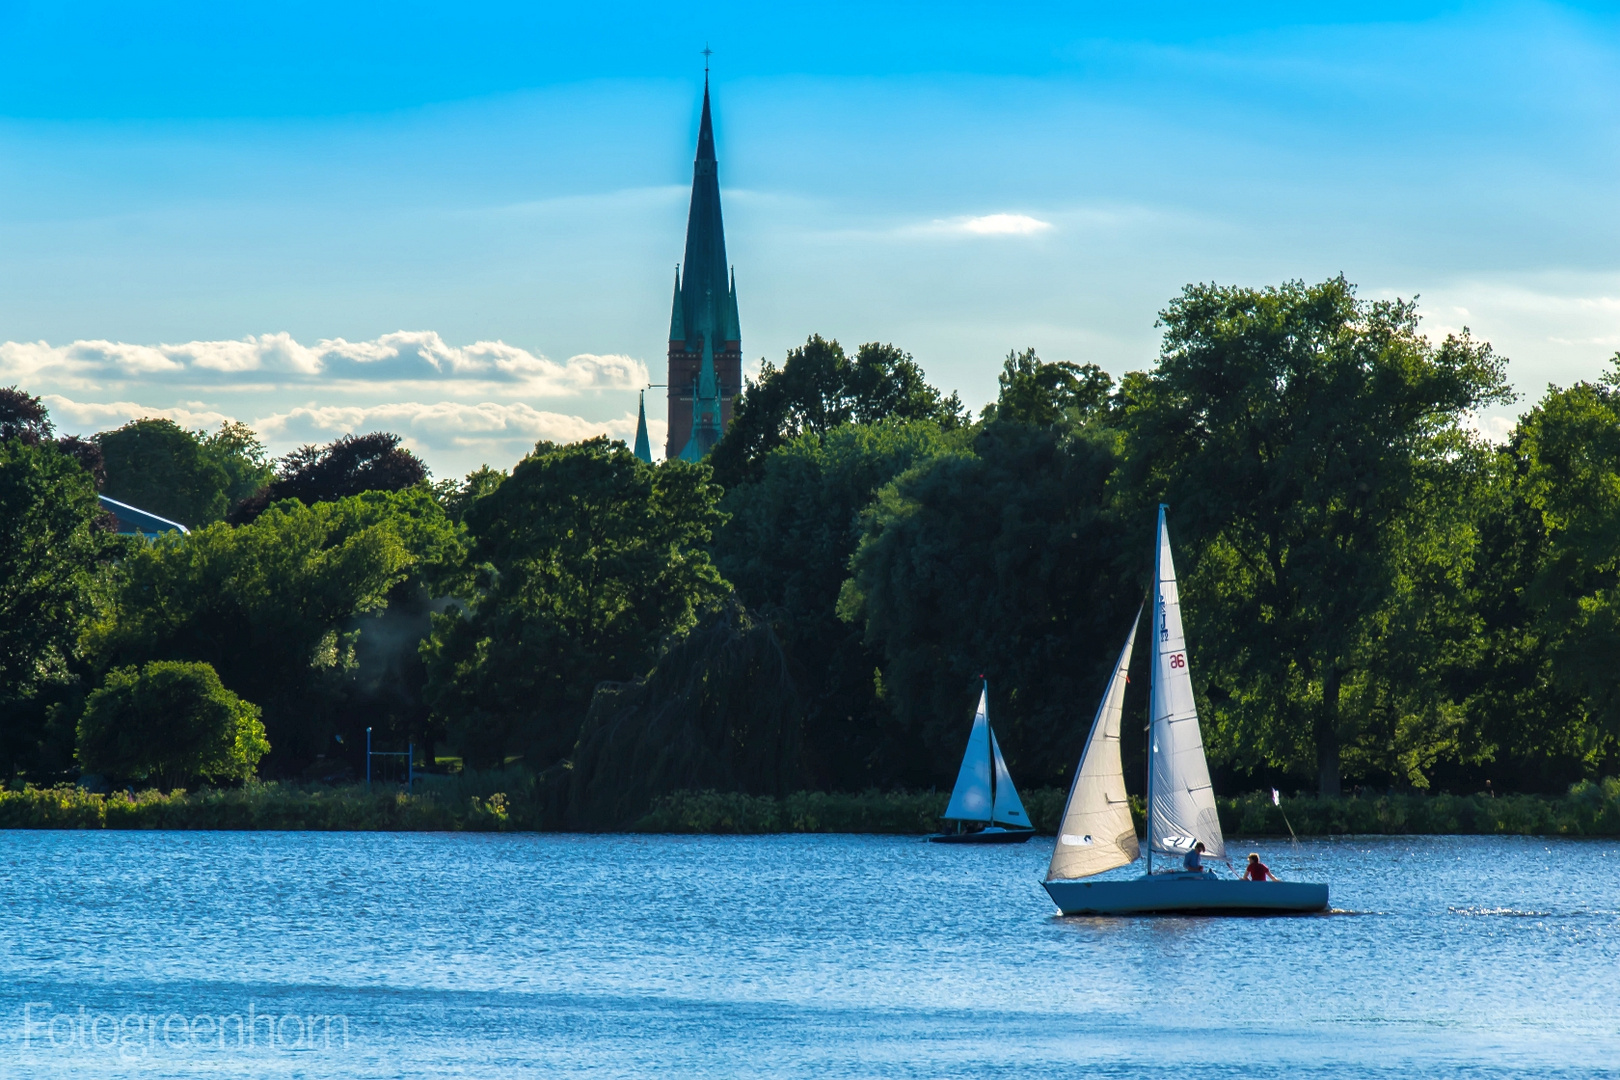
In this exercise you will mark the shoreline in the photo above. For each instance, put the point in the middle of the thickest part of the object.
(1590, 808)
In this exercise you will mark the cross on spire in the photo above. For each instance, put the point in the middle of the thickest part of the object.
(707, 52)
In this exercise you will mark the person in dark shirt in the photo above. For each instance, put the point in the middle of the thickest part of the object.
(1193, 862)
(1257, 870)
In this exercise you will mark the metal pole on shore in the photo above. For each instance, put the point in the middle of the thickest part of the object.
(368, 759)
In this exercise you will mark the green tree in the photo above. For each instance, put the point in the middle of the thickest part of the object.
(160, 467)
(458, 497)
(1567, 451)
(53, 550)
(169, 722)
(1006, 561)
(588, 559)
(1033, 391)
(1533, 729)
(347, 466)
(1313, 452)
(237, 449)
(273, 606)
(786, 549)
(719, 711)
(819, 388)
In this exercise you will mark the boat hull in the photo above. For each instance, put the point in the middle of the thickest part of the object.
(1186, 893)
(984, 836)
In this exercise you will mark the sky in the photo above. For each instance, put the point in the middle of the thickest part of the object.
(460, 222)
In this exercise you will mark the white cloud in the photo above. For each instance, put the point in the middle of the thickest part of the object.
(84, 416)
(404, 359)
(446, 423)
(995, 225)
(453, 433)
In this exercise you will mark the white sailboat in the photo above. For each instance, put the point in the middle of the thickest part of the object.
(1097, 833)
(984, 791)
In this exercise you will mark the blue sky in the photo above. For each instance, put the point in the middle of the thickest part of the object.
(460, 222)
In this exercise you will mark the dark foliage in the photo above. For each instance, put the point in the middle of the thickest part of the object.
(588, 558)
(819, 388)
(23, 416)
(719, 711)
(348, 466)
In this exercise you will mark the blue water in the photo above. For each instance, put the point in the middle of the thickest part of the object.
(794, 956)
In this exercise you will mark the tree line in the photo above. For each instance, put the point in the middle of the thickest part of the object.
(1374, 594)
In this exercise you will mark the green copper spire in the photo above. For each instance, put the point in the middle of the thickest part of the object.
(677, 318)
(643, 445)
(704, 289)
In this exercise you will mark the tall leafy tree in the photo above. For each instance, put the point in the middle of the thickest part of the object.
(160, 467)
(1006, 561)
(588, 559)
(818, 388)
(1567, 451)
(1312, 448)
(786, 549)
(1033, 391)
(53, 547)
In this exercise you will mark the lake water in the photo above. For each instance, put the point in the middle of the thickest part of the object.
(412, 955)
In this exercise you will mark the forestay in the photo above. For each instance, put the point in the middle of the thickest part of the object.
(970, 799)
(1097, 833)
(1009, 808)
(1181, 807)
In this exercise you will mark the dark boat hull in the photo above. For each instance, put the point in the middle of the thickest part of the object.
(1182, 893)
(984, 836)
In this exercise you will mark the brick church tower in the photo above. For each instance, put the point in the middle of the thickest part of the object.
(705, 341)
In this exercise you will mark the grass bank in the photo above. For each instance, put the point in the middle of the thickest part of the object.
(514, 801)
(1588, 809)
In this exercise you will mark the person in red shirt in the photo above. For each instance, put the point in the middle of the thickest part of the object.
(1258, 871)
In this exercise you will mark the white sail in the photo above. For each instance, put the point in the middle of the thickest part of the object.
(1181, 804)
(1097, 833)
(1009, 808)
(970, 799)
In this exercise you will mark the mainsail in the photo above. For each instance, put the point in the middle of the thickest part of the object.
(1097, 833)
(1009, 808)
(1181, 802)
(970, 799)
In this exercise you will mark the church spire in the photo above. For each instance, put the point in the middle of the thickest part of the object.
(704, 288)
(705, 342)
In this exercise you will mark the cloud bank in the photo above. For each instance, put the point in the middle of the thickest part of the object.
(457, 406)
(401, 360)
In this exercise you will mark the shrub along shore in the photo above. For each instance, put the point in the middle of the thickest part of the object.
(473, 804)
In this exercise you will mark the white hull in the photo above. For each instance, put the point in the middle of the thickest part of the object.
(1185, 892)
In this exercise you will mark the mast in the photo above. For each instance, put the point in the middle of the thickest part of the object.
(1153, 682)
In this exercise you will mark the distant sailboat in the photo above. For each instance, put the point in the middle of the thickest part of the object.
(984, 791)
(1097, 833)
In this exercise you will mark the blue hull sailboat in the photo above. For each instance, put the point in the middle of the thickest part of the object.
(1097, 832)
(984, 793)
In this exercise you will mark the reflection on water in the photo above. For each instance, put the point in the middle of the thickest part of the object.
(408, 955)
